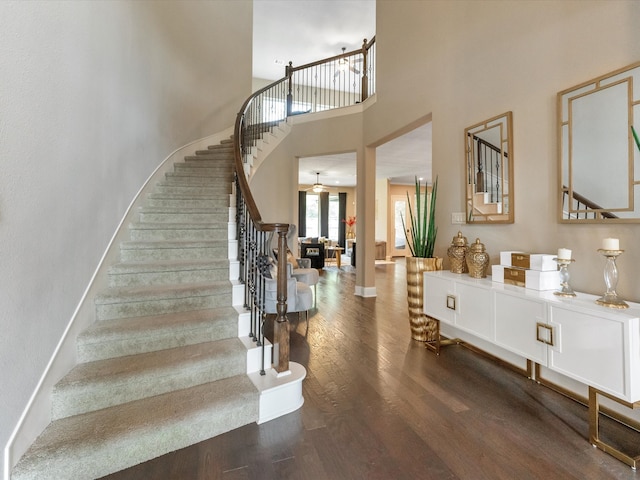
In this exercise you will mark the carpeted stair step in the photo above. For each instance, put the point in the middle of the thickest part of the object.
(206, 161)
(96, 444)
(178, 231)
(130, 274)
(105, 383)
(204, 168)
(223, 152)
(143, 251)
(131, 336)
(225, 156)
(122, 302)
(223, 185)
(167, 187)
(211, 214)
(186, 201)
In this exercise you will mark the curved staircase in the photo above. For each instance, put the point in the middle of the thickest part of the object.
(163, 366)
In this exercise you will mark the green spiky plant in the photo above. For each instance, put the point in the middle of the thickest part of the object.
(423, 232)
(635, 137)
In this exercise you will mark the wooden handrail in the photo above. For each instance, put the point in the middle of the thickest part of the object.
(365, 47)
(254, 235)
(250, 247)
(590, 207)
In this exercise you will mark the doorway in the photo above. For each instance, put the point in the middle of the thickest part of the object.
(399, 211)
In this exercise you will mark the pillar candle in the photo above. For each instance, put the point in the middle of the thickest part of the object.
(610, 244)
(564, 254)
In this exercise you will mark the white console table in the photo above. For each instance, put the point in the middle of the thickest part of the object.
(592, 344)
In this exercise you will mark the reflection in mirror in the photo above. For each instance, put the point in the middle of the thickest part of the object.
(599, 179)
(489, 171)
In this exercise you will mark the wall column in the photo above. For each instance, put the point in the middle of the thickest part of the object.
(366, 216)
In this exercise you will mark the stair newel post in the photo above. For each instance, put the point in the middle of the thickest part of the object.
(289, 74)
(365, 77)
(281, 325)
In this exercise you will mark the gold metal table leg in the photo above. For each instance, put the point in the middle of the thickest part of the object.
(437, 342)
(594, 427)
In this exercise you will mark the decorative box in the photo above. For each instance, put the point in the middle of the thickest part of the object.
(505, 258)
(533, 279)
(541, 262)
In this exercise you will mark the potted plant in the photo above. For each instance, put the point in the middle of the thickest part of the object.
(350, 222)
(421, 238)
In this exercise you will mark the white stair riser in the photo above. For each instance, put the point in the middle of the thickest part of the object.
(255, 354)
(234, 269)
(244, 321)
(238, 294)
(233, 245)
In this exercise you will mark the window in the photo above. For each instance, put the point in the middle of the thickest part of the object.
(313, 216)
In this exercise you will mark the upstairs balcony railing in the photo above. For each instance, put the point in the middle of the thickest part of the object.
(578, 207)
(339, 81)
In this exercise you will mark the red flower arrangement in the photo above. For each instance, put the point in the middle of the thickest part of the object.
(350, 221)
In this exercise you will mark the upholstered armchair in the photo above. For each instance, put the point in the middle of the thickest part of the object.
(299, 296)
(302, 271)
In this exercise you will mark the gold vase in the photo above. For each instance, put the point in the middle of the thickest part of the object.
(423, 328)
(477, 260)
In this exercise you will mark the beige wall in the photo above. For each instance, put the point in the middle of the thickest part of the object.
(466, 61)
(93, 96)
(275, 182)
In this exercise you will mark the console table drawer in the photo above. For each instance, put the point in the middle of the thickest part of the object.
(440, 300)
(591, 349)
(517, 322)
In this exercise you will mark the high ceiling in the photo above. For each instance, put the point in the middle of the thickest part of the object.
(303, 31)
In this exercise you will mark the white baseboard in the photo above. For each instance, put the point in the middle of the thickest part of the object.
(365, 291)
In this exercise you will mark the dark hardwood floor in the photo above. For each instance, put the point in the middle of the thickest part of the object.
(380, 406)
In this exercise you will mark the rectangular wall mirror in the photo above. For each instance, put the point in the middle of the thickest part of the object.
(599, 179)
(489, 170)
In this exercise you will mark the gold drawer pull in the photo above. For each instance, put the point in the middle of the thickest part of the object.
(548, 339)
(451, 302)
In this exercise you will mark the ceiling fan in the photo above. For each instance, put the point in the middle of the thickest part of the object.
(317, 187)
(344, 64)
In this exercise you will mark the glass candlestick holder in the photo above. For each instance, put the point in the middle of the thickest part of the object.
(610, 298)
(565, 288)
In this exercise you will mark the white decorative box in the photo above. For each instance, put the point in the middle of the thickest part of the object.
(542, 280)
(541, 262)
(497, 273)
(533, 279)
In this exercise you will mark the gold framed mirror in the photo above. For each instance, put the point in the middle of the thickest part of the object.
(489, 170)
(599, 174)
